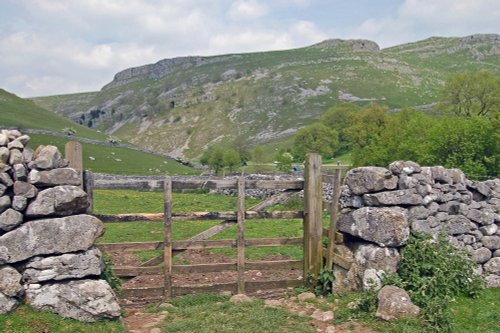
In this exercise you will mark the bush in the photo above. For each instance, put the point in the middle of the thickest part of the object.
(433, 272)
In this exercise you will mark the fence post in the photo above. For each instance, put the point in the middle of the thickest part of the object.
(241, 235)
(74, 154)
(167, 233)
(332, 232)
(313, 217)
(88, 187)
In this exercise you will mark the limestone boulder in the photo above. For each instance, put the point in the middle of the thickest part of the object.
(59, 200)
(10, 219)
(4, 140)
(49, 236)
(10, 281)
(493, 266)
(394, 303)
(19, 203)
(15, 157)
(47, 157)
(5, 203)
(25, 189)
(404, 167)
(394, 198)
(65, 266)
(54, 177)
(370, 179)
(491, 242)
(481, 255)
(384, 226)
(6, 179)
(84, 300)
(7, 304)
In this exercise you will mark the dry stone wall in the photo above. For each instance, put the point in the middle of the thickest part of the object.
(47, 258)
(380, 207)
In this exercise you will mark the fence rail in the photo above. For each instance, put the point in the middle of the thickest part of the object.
(312, 241)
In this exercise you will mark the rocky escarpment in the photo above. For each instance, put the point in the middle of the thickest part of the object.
(380, 207)
(160, 69)
(47, 256)
(353, 44)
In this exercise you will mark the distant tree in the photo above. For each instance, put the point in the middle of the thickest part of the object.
(473, 93)
(284, 160)
(231, 159)
(316, 138)
(214, 158)
(340, 118)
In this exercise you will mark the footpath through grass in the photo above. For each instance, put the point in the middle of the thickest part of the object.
(213, 313)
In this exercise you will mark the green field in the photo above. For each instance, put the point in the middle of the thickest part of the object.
(21, 113)
(117, 160)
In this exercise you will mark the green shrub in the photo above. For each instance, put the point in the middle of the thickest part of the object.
(433, 272)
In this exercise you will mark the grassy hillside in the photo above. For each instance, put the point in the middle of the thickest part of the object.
(182, 107)
(115, 160)
(18, 112)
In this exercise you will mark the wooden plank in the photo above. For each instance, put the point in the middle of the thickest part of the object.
(273, 200)
(88, 187)
(204, 289)
(212, 231)
(204, 268)
(274, 241)
(339, 237)
(274, 265)
(204, 244)
(313, 216)
(342, 262)
(167, 244)
(144, 292)
(131, 246)
(336, 184)
(153, 261)
(241, 236)
(129, 271)
(201, 216)
(253, 286)
(74, 154)
(212, 184)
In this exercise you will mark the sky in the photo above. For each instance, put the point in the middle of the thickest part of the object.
(52, 47)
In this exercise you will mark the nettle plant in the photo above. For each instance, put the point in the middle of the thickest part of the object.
(434, 272)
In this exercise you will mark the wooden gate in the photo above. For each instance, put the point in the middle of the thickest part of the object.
(312, 241)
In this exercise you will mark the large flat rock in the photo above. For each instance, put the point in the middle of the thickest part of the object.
(50, 236)
(62, 267)
(370, 179)
(59, 200)
(84, 300)
(383, 226)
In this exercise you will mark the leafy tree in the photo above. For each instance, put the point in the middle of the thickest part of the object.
(231, 159)
(214, 158)
(473, 93)
(284, 160)
(340, 118)
(317, 138)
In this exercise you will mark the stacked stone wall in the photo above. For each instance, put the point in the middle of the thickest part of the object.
(47, 258)
(380, 207)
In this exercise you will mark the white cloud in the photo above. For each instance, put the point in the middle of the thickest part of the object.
(418, 19)
(247, 10)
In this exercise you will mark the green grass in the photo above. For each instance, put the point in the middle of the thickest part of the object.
(18, 112)
(469, 315)
(129, 201)
(208, 314)
(116, 160)
(27, 320)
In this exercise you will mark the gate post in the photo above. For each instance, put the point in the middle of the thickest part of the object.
(167, 233)
(74, 154)
(313, 217)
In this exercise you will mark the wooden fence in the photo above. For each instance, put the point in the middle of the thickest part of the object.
(312, 241)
